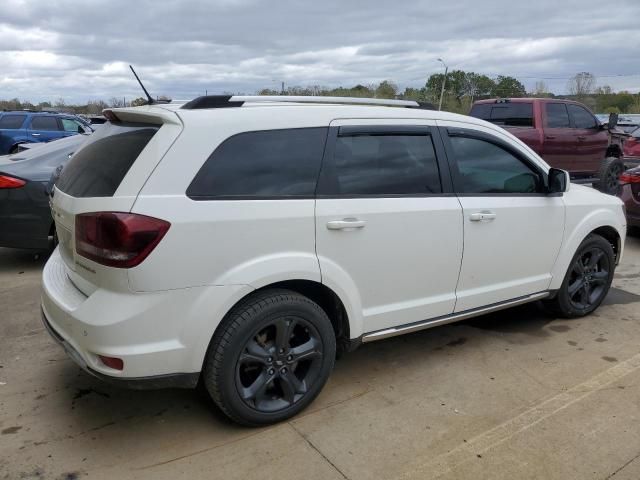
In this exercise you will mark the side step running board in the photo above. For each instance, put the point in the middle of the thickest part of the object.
(454, 317)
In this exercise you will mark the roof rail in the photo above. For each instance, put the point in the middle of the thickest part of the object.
(225, 101)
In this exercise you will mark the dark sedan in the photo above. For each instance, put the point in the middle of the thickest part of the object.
(25, 217)
(630, 195)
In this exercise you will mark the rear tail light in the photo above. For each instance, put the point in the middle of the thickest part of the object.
(7, 181)
(115, 239)
(629, 178)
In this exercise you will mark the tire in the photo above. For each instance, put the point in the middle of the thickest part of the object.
(269, 358)
(14, 149)
(587, 280)
(610, 170)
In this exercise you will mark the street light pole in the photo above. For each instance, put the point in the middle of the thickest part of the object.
(444, 81)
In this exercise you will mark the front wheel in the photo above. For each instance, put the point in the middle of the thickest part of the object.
(587, 281)
(269, 358)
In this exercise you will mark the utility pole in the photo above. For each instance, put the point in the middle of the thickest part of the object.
(444, 81)
(282, 90)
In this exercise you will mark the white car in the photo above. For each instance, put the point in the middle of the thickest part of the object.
(240, 242)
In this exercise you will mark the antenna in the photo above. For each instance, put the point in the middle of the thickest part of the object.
(150, 100)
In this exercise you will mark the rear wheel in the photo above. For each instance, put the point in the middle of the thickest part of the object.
(610, 171)
(270, 357)
(587, 281)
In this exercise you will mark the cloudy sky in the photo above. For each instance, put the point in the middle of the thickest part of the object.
(80, 50)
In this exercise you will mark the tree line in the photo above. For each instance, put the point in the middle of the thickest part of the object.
(461, 90)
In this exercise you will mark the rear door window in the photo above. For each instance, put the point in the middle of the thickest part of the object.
(263, 164)
(12, 122)
(517, 114)
(557, 115)
(45, 123)
(69, 125)
(382, 164)
(97, 169)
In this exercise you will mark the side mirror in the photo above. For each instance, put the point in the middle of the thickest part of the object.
(559, 181)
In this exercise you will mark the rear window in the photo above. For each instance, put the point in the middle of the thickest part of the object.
(97, 169)
(505, 114)
(12, 122)
(264, 164)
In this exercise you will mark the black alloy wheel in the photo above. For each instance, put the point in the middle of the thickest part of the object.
(279, 364)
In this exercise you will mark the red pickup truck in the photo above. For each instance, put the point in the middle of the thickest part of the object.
(564, 133)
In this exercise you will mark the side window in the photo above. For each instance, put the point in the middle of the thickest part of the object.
(487, 168)
(379, 164)
(271, 163)
(44, 123)
(12, 122)
(581, 117)
(69, 125)
(557, 116)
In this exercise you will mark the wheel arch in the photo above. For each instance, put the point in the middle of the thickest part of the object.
(614, 150)
(598, 223)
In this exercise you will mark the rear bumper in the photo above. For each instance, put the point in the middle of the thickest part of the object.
(162, 337)
(632, 206)
(177, 380)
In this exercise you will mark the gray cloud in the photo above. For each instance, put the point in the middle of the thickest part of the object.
(63, 48)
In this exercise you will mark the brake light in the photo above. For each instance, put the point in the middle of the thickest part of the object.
(11, 182)
(116, 239)
(629, 178)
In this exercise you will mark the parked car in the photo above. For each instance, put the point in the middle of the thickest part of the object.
(240, 241)
(630, 195)
(564, 133)
(25, 215)
(632, 148)
(19, 127)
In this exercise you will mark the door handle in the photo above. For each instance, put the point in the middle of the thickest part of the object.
(35, 134)
(581, 137)
(346, 224)
(484, 216)
(550, 137)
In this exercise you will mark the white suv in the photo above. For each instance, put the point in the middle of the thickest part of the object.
(240, 242)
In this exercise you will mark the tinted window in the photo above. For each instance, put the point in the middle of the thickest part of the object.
(517, 114)
(97, 169)
(44, 123)
(382, 165)
(12, 121)
(636, 133)
(272, 163)
(488, 168)
(557, 116)
(581, 117)
(69, 125)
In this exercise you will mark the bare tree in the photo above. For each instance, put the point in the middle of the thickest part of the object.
(540, 89)
(581, 84)
(116, 102)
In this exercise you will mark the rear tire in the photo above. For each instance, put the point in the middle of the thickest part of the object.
(587, 280)
(269, 358)
(610, 171)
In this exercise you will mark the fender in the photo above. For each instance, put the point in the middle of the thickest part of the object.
(601, 217)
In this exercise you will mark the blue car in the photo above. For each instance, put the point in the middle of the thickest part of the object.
(20, 127)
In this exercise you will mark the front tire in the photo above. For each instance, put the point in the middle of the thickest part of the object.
(269, 358)
(587, 281)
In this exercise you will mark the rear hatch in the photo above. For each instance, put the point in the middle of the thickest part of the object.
(106, 175)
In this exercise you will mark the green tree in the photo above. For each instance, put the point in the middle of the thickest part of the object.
(506, 86)
(386, 89)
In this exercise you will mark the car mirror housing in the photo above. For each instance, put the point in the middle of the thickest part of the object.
(559, 181)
